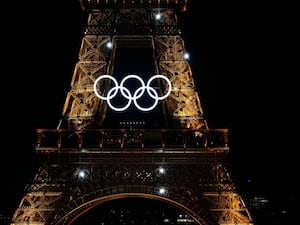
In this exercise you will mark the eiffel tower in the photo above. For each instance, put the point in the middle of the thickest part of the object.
(114, 143)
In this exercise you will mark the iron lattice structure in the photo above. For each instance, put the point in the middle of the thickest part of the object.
(84, 162)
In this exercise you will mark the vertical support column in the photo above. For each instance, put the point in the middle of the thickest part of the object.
(82, 109)
(183, 104)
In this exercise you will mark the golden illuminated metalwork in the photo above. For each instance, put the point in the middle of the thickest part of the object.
(85, 163)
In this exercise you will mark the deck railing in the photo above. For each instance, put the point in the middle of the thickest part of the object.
(101, 139)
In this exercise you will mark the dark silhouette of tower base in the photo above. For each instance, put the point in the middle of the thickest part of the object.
(118, 145)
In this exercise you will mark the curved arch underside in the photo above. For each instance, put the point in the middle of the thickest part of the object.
(182, 205)
(137, 203)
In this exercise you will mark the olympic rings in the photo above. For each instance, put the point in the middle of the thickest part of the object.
(136, 95)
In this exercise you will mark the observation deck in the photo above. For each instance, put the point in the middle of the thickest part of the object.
(89, 5)
(134, 145)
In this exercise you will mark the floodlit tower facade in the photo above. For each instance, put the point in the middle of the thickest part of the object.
(131, 110)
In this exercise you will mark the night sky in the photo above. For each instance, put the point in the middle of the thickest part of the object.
(240, 67)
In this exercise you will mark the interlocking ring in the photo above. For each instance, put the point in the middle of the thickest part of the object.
(136, 95)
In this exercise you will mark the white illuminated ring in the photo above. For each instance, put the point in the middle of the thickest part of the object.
(110, 96)
(136, 95)
(169, 85)
(103, 77)
(143, 90)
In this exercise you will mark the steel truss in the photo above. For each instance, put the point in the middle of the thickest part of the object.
(84, 165)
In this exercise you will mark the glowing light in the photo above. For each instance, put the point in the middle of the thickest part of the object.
(136, 95)
(81, 174)
(161, 170)
(109, 44)
(162, 191)
(186, 56)
(158, 16)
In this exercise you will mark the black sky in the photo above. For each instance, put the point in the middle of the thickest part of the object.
(240, 66)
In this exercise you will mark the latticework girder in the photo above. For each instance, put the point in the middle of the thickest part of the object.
(81, 104)
(36, 207)
(95, 59)
(201, 187)
(84, 164)
(184, 103)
